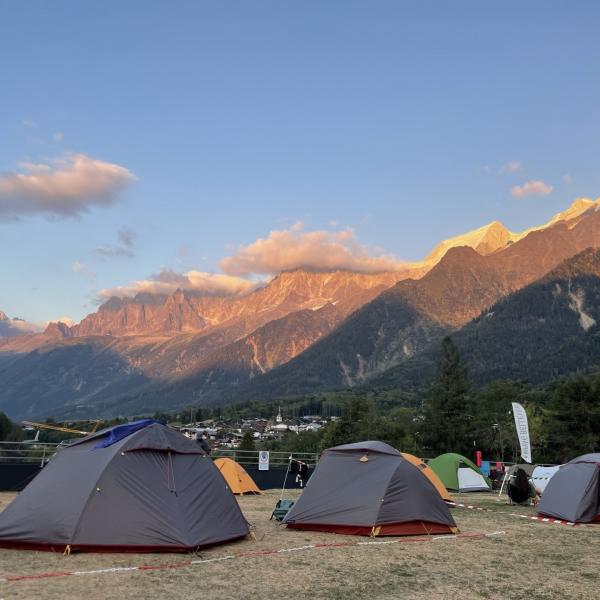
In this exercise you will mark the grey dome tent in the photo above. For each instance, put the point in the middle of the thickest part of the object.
(369, 488)
(573, 493)
(138, 487)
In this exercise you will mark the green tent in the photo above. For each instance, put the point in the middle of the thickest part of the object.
(459, 474)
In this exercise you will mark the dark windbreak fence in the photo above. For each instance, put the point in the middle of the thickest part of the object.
(21, 462)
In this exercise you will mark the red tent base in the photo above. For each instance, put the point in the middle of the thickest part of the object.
(102, 549)
(393, 529)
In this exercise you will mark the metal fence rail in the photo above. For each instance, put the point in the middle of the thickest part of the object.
(19, 452)
(276, 459)
(41, 453)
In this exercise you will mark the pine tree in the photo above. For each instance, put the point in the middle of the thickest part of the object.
(247, 442)
(573, 418)
(9, 432)
(447, 411)
(358, 423)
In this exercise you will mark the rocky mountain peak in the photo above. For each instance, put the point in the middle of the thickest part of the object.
(577, 208)
(58, 330)
(486, 240)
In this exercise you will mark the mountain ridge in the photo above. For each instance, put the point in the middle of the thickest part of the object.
(302, 332)
(461, 286)
(538, 333)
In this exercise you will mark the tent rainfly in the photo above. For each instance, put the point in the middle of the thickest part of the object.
(138, 487)
(236, 476)
(430, 474)
(573, 493)
(459, 474)
(369, 488)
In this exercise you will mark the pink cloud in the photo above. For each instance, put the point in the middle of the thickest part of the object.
(535, 187)
(68, 186)
(293, 248)
(167, 281)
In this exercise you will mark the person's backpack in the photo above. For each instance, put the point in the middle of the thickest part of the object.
(519, 488)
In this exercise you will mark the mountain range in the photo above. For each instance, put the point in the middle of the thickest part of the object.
(305, 332)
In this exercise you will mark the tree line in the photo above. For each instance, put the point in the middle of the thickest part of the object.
(456, 416)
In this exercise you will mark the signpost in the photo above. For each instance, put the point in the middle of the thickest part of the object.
(263, 460)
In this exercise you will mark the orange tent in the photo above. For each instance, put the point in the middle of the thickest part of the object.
(430, 474)
(237, 478)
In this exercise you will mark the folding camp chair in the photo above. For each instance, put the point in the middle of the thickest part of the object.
(283, 506)
(281, 509)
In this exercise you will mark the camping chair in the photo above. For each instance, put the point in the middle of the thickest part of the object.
(281, 509)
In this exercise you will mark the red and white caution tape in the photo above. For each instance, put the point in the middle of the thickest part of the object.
(239, 555)
(520, 516)
(460, 505)
(544, 519)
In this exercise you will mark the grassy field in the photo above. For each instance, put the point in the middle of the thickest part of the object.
(529, 560)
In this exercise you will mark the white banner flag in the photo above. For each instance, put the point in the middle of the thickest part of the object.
(522, 430)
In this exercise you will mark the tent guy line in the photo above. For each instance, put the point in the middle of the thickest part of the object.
(241, 555)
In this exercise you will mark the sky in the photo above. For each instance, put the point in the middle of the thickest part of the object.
(147, 145)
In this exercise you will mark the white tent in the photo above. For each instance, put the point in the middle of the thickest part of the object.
(470, 480)
(541, 476)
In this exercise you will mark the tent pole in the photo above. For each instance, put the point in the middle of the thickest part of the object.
(286, 476)
(503, 482)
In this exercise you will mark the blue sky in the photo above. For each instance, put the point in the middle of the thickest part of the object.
(234, 119)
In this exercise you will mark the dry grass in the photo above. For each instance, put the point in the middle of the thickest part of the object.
(532, 560)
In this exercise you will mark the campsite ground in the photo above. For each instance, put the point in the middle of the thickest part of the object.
(529, 559)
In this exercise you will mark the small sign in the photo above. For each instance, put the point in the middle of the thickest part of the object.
(263, 460)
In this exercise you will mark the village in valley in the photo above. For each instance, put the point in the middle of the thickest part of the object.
(229, 434)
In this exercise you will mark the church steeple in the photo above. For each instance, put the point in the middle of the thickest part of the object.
(279, 418)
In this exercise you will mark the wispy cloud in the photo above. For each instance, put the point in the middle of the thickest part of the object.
(13, 327)
(124, 247)
(66, 187)
(58, 136)
(534, 187)
(567, 178)
(82, 269)
(167, 281)
(29, 123)
(513, 166)
(293, 248)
